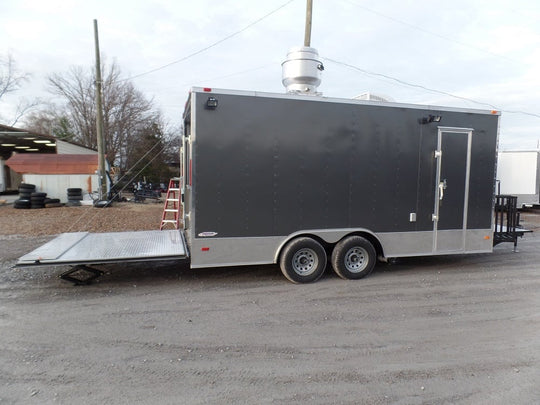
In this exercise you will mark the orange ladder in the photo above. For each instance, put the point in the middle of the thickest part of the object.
(171, 210)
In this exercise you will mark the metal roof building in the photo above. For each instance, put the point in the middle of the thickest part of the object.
(15, 141)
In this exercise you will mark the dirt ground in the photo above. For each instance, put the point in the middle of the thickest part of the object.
(440, 330)
(50, 221)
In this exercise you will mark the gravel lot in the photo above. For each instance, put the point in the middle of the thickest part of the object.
(50, 221)
(440, 330)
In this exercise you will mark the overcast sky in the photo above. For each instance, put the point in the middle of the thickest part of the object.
(462, 53)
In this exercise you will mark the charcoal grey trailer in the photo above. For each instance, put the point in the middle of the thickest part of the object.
(293, 179)
(303, 180)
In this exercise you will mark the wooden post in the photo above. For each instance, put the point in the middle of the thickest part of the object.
(99, 122)
(307, 36)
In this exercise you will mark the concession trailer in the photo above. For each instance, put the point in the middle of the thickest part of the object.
(303, 181)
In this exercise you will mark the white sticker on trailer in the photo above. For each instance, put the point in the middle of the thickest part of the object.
(207, 234)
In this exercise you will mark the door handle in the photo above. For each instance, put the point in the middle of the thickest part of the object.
(442, 187)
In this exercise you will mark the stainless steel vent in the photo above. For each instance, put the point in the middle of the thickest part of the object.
(301, 71)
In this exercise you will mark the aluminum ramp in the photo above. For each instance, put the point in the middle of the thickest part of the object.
(81, 249)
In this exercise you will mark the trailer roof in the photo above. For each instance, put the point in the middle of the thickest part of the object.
(337, 100)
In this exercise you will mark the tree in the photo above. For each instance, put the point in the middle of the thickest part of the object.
(48, 121)
(10, 77)
(125, 110)
(152, 155)
(11, 80)
(136, 138)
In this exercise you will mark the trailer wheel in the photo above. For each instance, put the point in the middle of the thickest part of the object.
(353, 258)
(303, 260)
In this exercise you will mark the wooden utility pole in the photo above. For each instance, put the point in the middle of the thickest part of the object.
(99, 122)
(307, 36)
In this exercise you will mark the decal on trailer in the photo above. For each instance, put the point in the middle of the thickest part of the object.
(207, 234)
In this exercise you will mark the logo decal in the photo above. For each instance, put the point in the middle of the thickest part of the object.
(207, 234)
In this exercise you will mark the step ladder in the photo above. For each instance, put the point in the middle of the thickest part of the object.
(171, 210)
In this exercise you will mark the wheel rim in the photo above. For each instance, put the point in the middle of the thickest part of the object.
(305, 261)
(356, 259)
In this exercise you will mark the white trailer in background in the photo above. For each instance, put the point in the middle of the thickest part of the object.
(518, 173)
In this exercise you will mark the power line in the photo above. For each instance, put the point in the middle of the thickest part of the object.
(213, 44)
(415, 27)
(230, 75)
(419, 86)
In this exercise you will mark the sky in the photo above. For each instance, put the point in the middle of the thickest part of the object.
(475, 54)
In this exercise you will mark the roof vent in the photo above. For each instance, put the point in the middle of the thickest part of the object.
(373, 97)
(301, 71)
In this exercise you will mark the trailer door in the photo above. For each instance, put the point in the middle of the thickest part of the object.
(451, 189)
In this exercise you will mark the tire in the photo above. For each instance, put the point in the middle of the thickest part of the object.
(74, 190)
(42, 195)
(353, 258)
(53, 205)
(27, 186)
(303, 260)
(22, 204)
(25, 196)
(51, 200)
(75, 198)
(102, 204)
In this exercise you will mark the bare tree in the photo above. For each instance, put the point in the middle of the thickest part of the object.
(10, 77)
(23, 107)
(11, 80)
(125, 109)
(49, 120)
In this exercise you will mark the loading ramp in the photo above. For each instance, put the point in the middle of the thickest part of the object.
(83, 249)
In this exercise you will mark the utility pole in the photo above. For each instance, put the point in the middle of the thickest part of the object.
(99, 121)
(307, 35)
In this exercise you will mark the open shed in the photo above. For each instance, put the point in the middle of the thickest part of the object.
(26, 142)
(54, 174)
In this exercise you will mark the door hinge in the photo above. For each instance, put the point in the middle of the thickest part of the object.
(438, 154)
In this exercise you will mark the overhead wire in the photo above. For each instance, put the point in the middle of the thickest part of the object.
(83, 216)
(175, 62)
(405, 83)
(435, 34)
(214, 43)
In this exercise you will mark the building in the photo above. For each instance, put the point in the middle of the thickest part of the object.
(17, 141)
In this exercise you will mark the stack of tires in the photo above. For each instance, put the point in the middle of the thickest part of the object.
(37, 200)
(74, 196)
(25, 195)
(52, 202)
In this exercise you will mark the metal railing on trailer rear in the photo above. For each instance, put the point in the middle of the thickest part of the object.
(507, 218)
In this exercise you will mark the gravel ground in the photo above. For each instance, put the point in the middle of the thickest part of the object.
(50, 221)
(436, 330)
